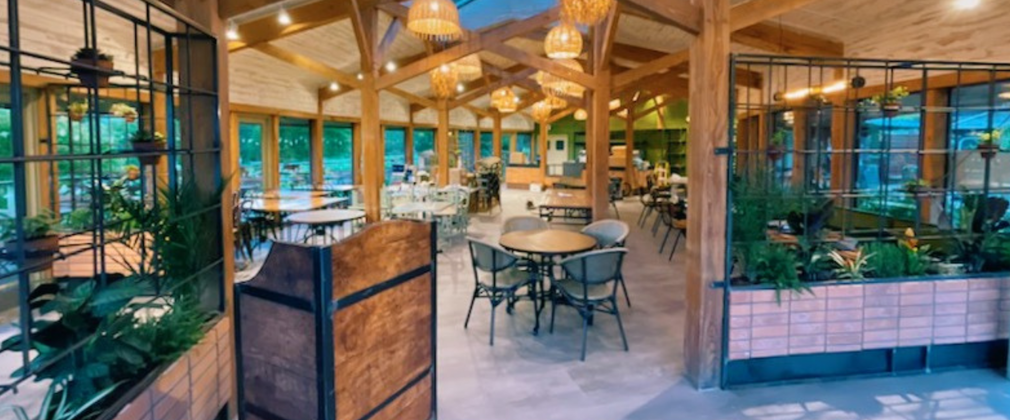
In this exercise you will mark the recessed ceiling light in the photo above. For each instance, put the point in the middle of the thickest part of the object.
(460, 88)
(361, 76)
(283, 17)
(232, 33)
(390, 66)
(966, 4)
(334, 87)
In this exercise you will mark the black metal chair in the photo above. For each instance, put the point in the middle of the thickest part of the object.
(498, 278)
(615, 194)
(591, 287)
(610, 233)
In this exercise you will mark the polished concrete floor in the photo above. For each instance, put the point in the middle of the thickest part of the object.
(540, 377)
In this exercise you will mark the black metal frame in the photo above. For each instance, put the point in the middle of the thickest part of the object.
(182, 147)
(817, 71)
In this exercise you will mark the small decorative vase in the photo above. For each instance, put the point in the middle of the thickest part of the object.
(890, 109)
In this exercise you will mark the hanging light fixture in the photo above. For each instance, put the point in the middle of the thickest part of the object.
(541, 110)
(563, 41)
(555, 102)
(444, 80)
(581, 115)
(558, 86)
(434, 20)
(470, 67)
(505, 100)
(585, 12)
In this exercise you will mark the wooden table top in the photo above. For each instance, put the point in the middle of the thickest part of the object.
(570, 182)
(281, 205)
(547, 242)
(567, 199)
(289, 194)
(326, 217)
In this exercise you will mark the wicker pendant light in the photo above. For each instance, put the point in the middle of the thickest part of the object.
(505, 100)
(556, 102)
(557, 86)
(470, 68)
(443, 80)
(585, 12)
(581, 115)
(563, 41)
(541, 110)
(434, 20)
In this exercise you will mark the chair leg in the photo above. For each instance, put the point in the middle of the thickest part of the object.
(665, 237)
(472, 300)
(620, 325)
(585, 332)
(554, 308)
(680, 234)
(616, 212)
(655, 226)
(624, 287)
(494, 306)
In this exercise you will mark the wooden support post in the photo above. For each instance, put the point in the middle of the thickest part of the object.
(706, 239)
(356, 151)
(496, 135)
(543, 149)
(843, 126)
(442, 143)
(316, 150)
(476, 142)
(598, 130)
(630, 175)
(409, 141)
(801, 125)
(372, 143)
(271, 155)
(934, 166)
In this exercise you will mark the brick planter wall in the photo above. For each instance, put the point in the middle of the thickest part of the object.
(195, 387)
(854, 317)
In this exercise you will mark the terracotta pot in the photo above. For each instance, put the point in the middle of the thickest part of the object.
(988, 150)
(76, 116)
(92, 78)
(890, 110)
(35, 248)
(148, 147)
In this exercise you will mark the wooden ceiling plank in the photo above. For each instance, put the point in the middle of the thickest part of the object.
(309, 65)
(652, 67)
(304, 18)
(231, 8)
(382, 51)
(680, 13)
(784, 40)
(756, 11)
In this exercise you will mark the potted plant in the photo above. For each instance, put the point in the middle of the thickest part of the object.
(77, 111)
(989, 143)
(131, 172)
(124, 111)
(40, 239)
(890, 101)
(145, 142)
(92, 67)
(916, 186)
(853, 268)
(776, 146)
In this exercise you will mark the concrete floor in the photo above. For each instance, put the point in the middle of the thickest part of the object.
(525, 376)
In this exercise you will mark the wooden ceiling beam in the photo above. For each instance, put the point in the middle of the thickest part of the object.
(603, 39)
(566, 112)
(680, 13)
(231, 8)
(542, 63)
(304, 18)
(484, 90)
(309, 64)
(655, 66)
(477, 43)
(365, 21)
(785, 40)
(754, 12)
(382, 51)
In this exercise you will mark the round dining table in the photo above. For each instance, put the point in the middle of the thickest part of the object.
(323, 222)
(547, 244)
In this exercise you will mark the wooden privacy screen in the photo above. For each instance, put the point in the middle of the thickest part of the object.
(345, 332)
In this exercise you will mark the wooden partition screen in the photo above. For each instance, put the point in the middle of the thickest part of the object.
(342, 332)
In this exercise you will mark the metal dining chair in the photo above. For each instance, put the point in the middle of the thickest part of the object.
(610, 233)
(498, 278)
(521, 223)
(591, 287)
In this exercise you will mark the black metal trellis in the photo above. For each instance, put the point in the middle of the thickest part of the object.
(787, 74)
(198, 152)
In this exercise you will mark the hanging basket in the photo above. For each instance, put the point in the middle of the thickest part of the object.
(148, 147)
(76, 116)
(988, 150)
(89, 77)
(890, 109)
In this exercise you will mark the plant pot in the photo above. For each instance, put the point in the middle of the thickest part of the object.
(890, 110)
(774, 153)
(76, 116)
(129, 118)
(988, 150)
(45, 246)
(950, 269)
(148, 147)
(92, 78)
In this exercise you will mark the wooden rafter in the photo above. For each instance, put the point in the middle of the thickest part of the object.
(542, 63)
(231, 8)
(309, 64)
(785, 40)
(382, 51)
(564, 113)
(663, 63)
(508, 80)
(680, 13)
(756, 11)
(603, 39)
(307, 17)
(365, 22)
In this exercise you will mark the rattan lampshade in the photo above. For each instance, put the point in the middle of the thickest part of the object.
(585, 12)
(541, 110)
(581, 115)
(469, 67)
(555, 102)
(557, 86)
(434, 20)
(443, 80)
(563, 41)
(505, 100)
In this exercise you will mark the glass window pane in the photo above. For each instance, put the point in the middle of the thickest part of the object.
(396, 150)
(338, 149)
(486, 145)
(250, 144)
(295, 154)
(887, 159)
(424, 147)
(465, 141)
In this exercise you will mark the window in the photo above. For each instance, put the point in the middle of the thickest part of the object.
(6, 171)
(887, 157)
(486, 145)
(338, 151)
(250, 145)
(975, 116)
(818, 133)
(524, 145)
(396, 150)
(295, 154)
(782, 125)
(424, 147)
(465, 145)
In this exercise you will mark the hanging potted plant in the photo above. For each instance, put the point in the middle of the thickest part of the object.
(124, 111)
(84, 64)
(776, 146)
(40, 238)
(989, 143)
(916, 186)
(144, 142)
(890, 101)
(77, 111)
